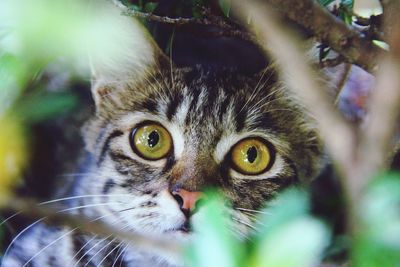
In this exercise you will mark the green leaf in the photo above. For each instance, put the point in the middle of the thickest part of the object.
(225, 6)
(13, 79)
(378, 240)
(325, 2)
(348, 3)
(299, 243)
(290, 204)
(214, 244)
(346, 11)
(150, 7)
(41, 106)
(381, 44)
(290, 230)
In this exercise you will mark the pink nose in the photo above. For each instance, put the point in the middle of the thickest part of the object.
(186, 199)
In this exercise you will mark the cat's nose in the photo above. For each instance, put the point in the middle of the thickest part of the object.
(187, 200)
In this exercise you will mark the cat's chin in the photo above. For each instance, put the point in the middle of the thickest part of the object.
(180, 235)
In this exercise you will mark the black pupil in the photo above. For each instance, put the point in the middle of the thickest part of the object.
(153, 139)
(251, 154)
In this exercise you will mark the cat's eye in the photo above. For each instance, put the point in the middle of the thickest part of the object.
(251, 156)
(151, 141)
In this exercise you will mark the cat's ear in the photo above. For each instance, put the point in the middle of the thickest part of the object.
(130, 53)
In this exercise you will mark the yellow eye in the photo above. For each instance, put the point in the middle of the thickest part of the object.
(151, 141)
(251, 156)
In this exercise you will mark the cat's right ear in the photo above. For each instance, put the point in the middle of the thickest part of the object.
(130, 53)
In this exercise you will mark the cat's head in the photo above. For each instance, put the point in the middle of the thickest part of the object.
(162, 135)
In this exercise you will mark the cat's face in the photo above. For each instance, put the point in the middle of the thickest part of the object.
(164, 135)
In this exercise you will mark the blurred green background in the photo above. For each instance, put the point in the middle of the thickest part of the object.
(44, 98)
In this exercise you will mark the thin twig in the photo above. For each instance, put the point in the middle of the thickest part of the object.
(358, 155)
(214, 21)
(302, 81)
(30, 209)
(378, 141)
(348, 42)
(352, 44)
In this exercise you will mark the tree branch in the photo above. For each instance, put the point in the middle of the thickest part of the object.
(31, 209)
(346, 41)
(384, 109)
(358, 155)
(353, 45)
(226, 29)
(302, 80)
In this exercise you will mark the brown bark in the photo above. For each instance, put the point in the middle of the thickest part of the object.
(346, 41)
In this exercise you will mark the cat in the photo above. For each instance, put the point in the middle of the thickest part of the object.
(160, 136)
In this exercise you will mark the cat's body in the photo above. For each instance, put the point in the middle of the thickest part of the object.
(202, 117)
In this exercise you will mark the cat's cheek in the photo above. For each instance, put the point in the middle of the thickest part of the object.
(171, 216)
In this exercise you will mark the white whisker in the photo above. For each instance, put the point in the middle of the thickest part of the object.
(245, 223)
(120, 254)
(40, 220)
(100, 241)
(10, 217)
(82, 196)
(105, 246)
(51, 243)
(123, 256)
(19, 234)
(89, 206)
(109, 253)
(95, 245)
(80, 250)
(254, 211)
(62, 199)
(61, 237)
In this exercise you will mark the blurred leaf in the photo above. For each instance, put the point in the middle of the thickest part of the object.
(150, 7)
(289, 230)
(214, 244)
(44, 106)
(43, 30)
(325, 2)
(13, 157)
(298, 243)
(346, 17)
(13, 78)
(225, 6)
(381, 44)
(348, 3)
(197, 7)
(378, 240)
(291, 204)
(346, 11)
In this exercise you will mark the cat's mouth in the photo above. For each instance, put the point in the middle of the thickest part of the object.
(185, 228)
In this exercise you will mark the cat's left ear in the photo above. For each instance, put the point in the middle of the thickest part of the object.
(129, 55)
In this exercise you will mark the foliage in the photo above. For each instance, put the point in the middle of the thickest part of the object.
(285, 228)
(289, 235)
(37, 37)
(378, 242)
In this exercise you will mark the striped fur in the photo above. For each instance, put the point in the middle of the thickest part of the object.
(206, 113)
